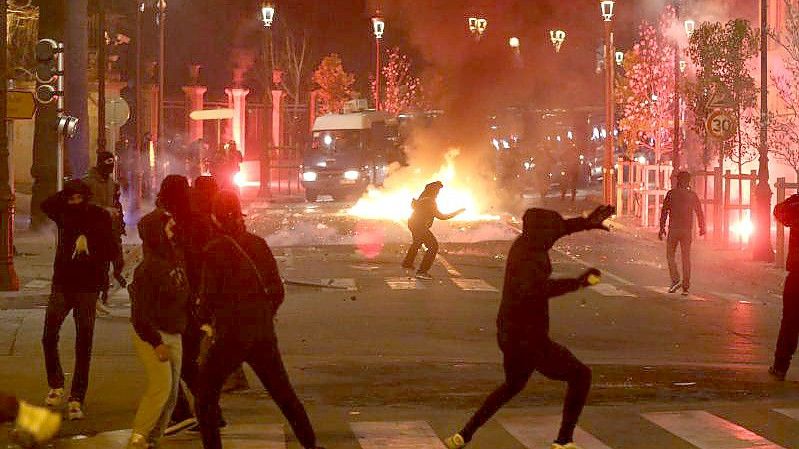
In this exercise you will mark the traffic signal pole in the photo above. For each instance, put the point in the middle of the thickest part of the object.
(8, 275)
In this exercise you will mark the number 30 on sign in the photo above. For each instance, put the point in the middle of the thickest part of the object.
(720, 125)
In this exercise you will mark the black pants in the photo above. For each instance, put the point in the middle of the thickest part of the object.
(58, 307)
(683, 239)
(263, 356)
(553, 361)
(426, 237)
(789, 328)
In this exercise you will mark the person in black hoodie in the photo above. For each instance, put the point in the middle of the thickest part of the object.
(241, 293)
(425, 210)
(679, 207)
(159, 312)
(523, 322)
(85, 248)
(787, 213)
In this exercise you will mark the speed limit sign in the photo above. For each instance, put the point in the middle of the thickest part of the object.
(720, 125)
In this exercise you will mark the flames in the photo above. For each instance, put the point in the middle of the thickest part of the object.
(393, 202)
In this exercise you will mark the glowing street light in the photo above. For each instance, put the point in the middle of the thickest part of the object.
(477, 26)
(558, 37)
(267, 14)
(690, 27)
(683, 66)
(379, 27)
(607, 9)
(514, 42)
(619, 58)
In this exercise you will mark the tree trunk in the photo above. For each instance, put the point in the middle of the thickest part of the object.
(76, 62)
(45, 140)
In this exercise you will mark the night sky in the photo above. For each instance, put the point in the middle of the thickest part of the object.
(433, 32)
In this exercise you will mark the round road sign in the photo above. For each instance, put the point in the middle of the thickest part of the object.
(117, 112)
(720, 125)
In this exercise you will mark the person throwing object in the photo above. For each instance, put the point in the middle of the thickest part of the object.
(523, 322)
(425, 210)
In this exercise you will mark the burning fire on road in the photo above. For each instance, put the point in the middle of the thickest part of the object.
(461, 190)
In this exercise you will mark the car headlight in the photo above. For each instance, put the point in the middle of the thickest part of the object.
(352, 175)
(309, 176)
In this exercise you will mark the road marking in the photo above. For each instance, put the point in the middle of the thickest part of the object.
(789, 412)
(37, 284)
(707, 431)
(613, 291)
(665, 292)
(540, 431)
(405, 283)
(396, 435)
(474, 285)
(339, 284)
(237, 436)
(450, 268)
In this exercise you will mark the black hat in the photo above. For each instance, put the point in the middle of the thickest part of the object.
(77, 187)
(174, 194)
(227, 206)
(105, 158)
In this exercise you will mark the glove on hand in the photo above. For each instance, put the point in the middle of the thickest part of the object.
(590, 277)
(598, 216)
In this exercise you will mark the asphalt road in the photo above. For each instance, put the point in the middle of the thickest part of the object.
(383, 360)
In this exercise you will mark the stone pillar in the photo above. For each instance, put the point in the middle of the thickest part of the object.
(237, 99)
(195, 101)
(277, 109)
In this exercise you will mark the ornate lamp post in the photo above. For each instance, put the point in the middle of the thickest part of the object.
(477, 26)
(619, 58)
(557, 37)
(161, 9)
(268, 13)
(606, 7)
(379, 27)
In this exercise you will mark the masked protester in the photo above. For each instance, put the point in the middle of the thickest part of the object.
(523, 322)
(241, 293)
(85, 247)
(106, 194)
(679, 207)
(160, 296)
(32, 425)
(425, 210)
(787, 213)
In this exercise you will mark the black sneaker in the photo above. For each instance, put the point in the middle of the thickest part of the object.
(175, 427)
(424, 276)
(777, 374)
(675, 286)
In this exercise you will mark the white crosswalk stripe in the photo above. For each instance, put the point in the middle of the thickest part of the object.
(707, 431)
(240, 436)
(789, 412)
(540, 431)
(613, 291)
(474, 285)
(405, 283)
(338, 284)
(396, 435)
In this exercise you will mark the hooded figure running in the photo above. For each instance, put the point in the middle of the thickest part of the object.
(425, 210)
(523, 322)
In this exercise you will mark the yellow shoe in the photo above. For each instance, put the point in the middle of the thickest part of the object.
(455, 442)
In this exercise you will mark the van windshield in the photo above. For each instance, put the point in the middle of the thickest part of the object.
(338, 141)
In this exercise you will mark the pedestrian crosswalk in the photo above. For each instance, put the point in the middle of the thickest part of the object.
(698, 429)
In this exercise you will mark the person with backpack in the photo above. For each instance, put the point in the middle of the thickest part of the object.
(241, 293)
(523, 322)
(425, 211)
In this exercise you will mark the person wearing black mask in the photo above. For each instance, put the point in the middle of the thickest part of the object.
(241, 293)
(106, 194)
(85, 247)
(523, 322)
(425, 210)
(679, 207)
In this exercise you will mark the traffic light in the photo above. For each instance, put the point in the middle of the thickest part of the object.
(50, 72)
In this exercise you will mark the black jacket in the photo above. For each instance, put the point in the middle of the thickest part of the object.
(524, 312)
(425, 210)
(679, 207)
(787, 213)
(160, 291)
(231, 295)
(80, 272)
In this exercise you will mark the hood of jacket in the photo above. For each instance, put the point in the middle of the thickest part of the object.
(542, 228)
(153, 235)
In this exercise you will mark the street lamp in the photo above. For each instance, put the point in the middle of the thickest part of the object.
(557, 37)
(619, 58)
(379, 27)
(267, 14)
(690, 27)
(477, 26)
(606, 7)
(514, 42)
(160, 130)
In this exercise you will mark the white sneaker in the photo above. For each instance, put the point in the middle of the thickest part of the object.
(137, 441)
(102, 310)
(55, 397)
(75, 412)
(455, 442)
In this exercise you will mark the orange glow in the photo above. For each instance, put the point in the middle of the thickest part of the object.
(152, 154)
(743, 229)
(394, 203)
